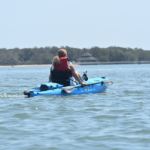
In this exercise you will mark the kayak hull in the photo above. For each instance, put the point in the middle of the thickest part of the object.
(97, 87)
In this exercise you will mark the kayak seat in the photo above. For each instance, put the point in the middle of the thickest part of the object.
(60, 77)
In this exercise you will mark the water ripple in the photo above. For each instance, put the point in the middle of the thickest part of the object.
(115, 119)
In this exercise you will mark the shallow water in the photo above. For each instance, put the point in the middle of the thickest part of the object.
(116, 119)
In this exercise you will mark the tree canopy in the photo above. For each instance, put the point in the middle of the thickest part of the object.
(45, 55)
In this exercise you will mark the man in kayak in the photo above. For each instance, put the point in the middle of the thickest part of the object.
(62, 70)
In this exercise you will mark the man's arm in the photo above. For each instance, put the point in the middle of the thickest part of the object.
(50, 74)
(75, 75)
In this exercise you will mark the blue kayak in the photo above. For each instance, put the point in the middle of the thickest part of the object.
(94, 85)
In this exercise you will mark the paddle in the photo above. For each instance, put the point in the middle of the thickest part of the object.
(70, 89)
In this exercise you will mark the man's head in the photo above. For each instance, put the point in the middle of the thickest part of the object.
(62, 53)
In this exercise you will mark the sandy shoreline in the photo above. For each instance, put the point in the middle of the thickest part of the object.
(44, 65)
(28, 65)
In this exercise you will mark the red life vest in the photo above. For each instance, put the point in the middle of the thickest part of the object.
(64, 66)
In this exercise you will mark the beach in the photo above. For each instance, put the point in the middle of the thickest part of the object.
(27, 65)
(36, 65)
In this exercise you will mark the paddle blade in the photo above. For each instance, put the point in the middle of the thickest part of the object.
(108, 82)
(68, 89)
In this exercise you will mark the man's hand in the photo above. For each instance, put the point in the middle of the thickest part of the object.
(84, 84)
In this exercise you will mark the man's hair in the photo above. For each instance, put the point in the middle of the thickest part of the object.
(56, 61)
(62, 53)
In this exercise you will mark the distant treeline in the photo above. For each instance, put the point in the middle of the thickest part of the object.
(45, 55)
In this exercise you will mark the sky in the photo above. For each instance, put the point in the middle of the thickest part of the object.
(74, 23)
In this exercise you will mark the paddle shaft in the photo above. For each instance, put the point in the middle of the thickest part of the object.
(71, 89)
(91, 84)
